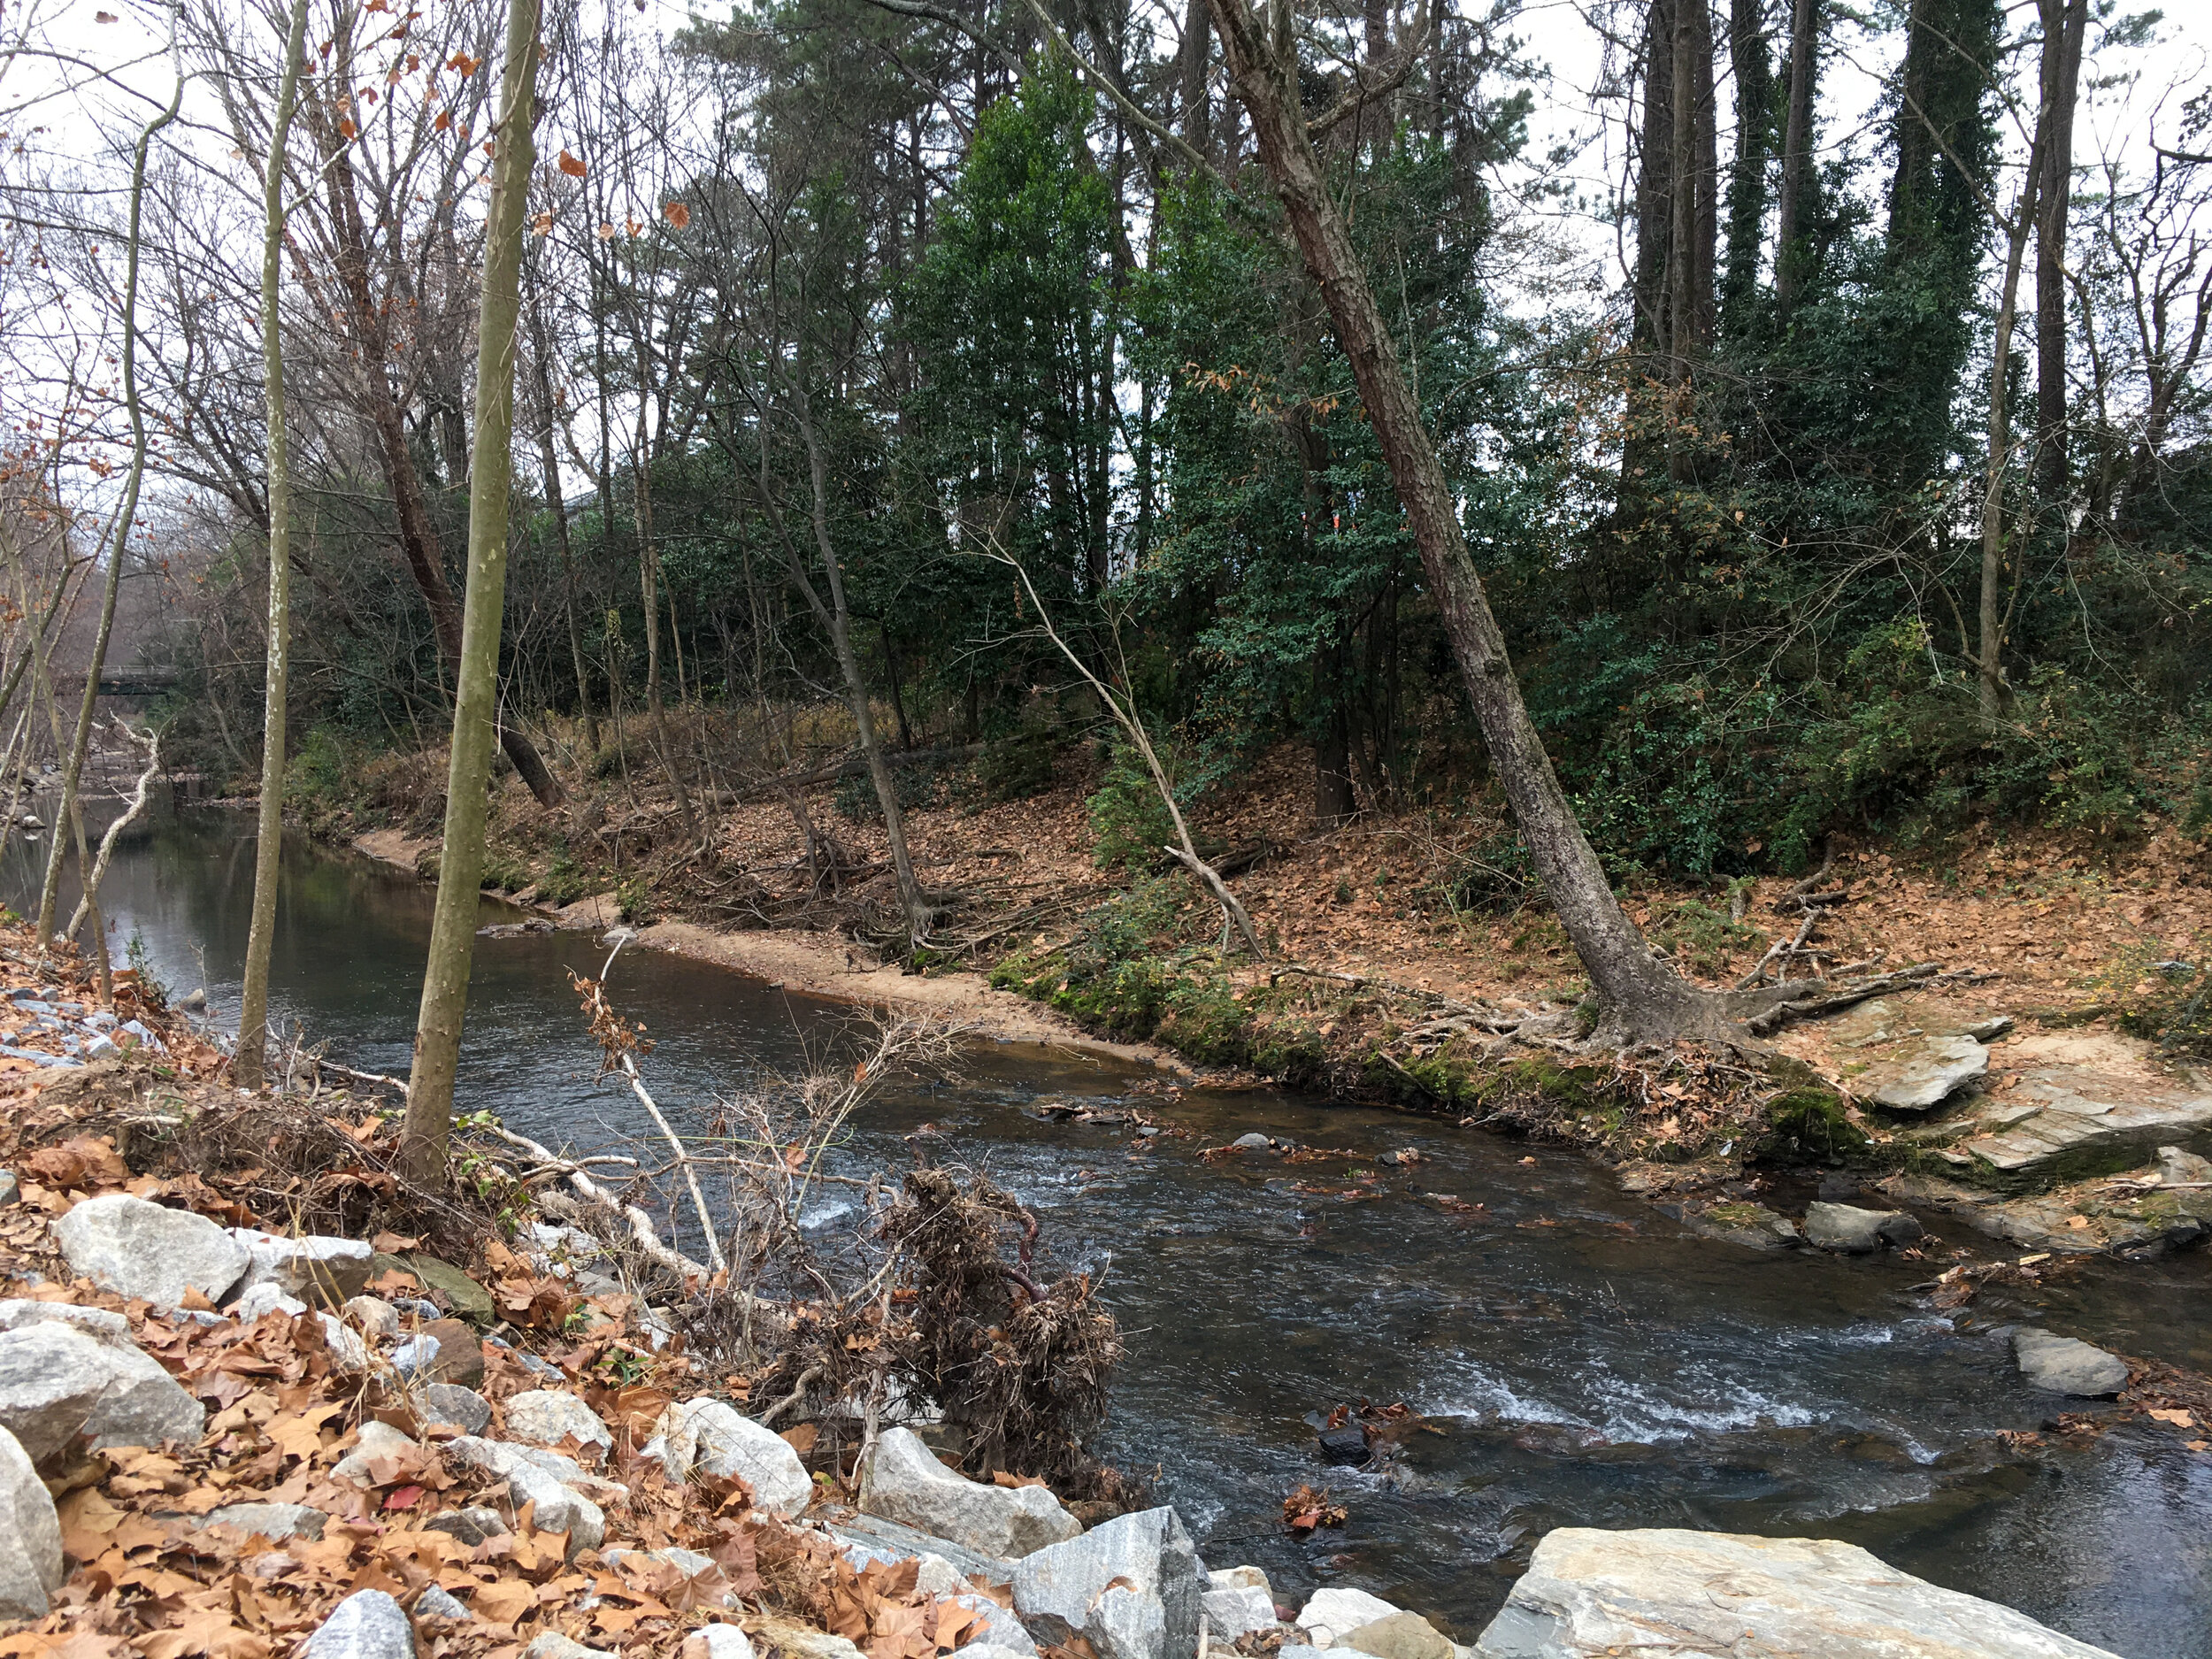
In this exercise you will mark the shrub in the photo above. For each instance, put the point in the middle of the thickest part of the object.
(1129, 821)
(1018, 767)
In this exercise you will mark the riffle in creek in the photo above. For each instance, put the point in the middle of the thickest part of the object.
(1586, 1361)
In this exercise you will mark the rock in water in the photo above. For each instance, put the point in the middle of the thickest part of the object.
(545, 1418)
(140, 1249)
(30, 1536)
(2059, 1365)
(903, 1481)
(1857, 1231)
(367, 1625)
(1662, 1591)
(1346, 1446)
(707, 1435)
(1130, 1587)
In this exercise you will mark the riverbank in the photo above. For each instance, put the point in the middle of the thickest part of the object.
(2052, 969)
(339, 1459)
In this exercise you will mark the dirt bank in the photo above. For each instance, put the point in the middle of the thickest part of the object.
(825, 964)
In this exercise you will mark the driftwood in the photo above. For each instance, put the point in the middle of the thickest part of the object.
(131, 815)
(1838, 998)
(646, 1236)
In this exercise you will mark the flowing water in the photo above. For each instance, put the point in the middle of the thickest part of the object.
(1586, 1361)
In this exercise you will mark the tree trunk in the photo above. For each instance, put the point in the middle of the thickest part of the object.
(445, 981)
(549, 469)
(72, 770)
(1753, 71)
(1639, 996)
(2065, 23)
(1797, 159)
(253, 1009)
(419, 536)
(648, 590)
(1994, 612)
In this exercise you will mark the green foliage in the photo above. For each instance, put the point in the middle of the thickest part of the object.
(319, 773)
(504, 871)
(1129, 822)
(565, 881)
(1701, 938)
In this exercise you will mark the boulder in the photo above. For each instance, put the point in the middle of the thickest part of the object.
(438, 1603)
(315, 1268)
(2088, 1123)
(1925, 1071)
(141, 1404)
(865, 1538)
(444, 1350)
(269, 1520)
(30, 1536)
(467, 1298)
(796, 1641)
(1330, 1616)
(375, 1439)
(1400, 1636)
(464, 1408)
(717, 1641)
(367, 1625)
(257, 1300)
(553, 1645)
(1855, 1232)
(142, 1250)
(2176, 1165)
(1254, 1142)
(499, 1459)
(1236, 1602)
(1754, 1226)
(709, 1435)
(1345, 1446)
(379, 1320)
(56, 1382)
(1130, 1587)
(558, 1507)
(2059, 1365)
(349, 1354)
(470, 1526)
(546, 1416)
(1660, 1590)
(903, 1481)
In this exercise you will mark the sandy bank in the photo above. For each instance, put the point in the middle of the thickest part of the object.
(828, 964)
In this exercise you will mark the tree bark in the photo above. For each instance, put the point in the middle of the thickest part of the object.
(419, 537)
(476, 689)
(1639, 997)
(1797, 159)
(253, 1010)
(1754, 70)
(73, 771)
(1994, 613)
(2065, 24)
(549, 469)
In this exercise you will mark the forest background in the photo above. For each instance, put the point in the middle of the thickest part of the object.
(1821, 391)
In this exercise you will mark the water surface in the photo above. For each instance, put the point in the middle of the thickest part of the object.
(1587, 1361)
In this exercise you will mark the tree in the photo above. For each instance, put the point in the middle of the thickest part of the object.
(445, 981)
(253, 1015)
(1640, 998)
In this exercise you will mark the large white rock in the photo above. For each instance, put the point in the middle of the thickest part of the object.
(102, 1323)
(367, 1625)
(1237, 1600)
(500, 1459)
(1130, 1587)
(315, 1268)
(56, 1382)
(711, 1436)
(546, 1416)
(142, 1250)
(2063, 1365)
(375, 1439)
(717, 1641)
(1330, 1616)
(140, 1404)
(30, 1536)
(1662, 1591)
(903, 1481)
(560, 1509)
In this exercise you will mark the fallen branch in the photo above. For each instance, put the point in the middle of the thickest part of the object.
(852, 765)
(131, 815)
(1773, 1019)
(647, 1237)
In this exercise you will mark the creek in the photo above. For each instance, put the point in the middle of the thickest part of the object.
(1584, 1360)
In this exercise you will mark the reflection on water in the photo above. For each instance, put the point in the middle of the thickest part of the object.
(1587, 1363)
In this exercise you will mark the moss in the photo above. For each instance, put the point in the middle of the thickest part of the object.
(1736, 1215)
(1806, 1124)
